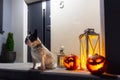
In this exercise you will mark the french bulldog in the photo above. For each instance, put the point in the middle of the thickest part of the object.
(39, 52)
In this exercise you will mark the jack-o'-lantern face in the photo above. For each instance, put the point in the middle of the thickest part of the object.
(96, 64)
(71, 62)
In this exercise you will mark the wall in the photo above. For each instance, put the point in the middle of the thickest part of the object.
(25, 30)
(15, 20)
(71, 21)
(66, 24)
(6, 21)
(19, 28)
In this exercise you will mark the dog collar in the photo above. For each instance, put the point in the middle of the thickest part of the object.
(37, 46)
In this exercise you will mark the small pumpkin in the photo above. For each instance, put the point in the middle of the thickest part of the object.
(96, 64)
(71, 62)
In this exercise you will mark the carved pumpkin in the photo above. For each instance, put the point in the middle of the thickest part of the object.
(96, 64)
(71, 62)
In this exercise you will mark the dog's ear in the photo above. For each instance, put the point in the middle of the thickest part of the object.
(35, 33)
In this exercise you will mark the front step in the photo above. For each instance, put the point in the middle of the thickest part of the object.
(21, 71)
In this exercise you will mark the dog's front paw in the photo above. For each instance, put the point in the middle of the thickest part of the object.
(41, 68)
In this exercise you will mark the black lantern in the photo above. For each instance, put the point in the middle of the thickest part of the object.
(89, 45)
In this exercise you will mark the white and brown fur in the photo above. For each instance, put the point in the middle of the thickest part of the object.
(39, 52)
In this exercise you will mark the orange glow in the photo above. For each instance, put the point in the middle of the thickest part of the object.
(103, 47)
(98, 64)
(90, 60)
(72, 62)
(68, 65)
(89, 46)
(96, 67)
(78, 63)
(98, 60)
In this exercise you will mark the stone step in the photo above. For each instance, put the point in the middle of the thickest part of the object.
(21, 71)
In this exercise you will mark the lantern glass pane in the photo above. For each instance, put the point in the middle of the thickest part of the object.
(83, 54)
(93, 44)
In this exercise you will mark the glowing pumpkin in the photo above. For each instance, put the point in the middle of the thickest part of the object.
(96, 64)
(71, 62)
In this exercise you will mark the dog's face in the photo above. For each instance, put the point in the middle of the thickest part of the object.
(32, 40)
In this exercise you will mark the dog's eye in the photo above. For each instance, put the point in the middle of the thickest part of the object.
(32, 38)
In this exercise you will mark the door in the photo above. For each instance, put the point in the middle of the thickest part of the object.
(47, 26)
(1, 15)
(39, 19)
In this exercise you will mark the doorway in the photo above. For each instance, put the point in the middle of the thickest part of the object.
(39, 18)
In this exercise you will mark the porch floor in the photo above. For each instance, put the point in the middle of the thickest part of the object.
(21, 71)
